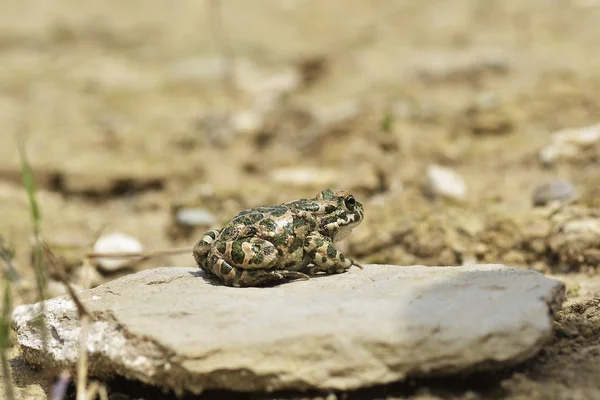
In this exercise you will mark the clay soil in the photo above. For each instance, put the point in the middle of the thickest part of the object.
(128, 113)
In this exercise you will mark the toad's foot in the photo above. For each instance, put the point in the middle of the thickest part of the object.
(202, 248)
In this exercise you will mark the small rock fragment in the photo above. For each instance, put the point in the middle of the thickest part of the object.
(570, 144)
(116, 243)
(575, 238)
(488, 115)
(304, 176)
(247, 121)
(194, 217)
(556, 190)
(259, 80)
(444, 182)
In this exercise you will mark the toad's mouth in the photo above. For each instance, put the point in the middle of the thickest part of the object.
(342, 226)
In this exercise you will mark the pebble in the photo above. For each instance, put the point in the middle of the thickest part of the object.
(569, 143)
(445, 182)
(256, 79)
(247, 121)
(304, 176)
(116, 242)
(556, 190)
(194, 217)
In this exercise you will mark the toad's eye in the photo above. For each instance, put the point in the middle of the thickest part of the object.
(350, 202)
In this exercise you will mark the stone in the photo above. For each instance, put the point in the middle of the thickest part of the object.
(247, 121)
(445, 182)
(116, 242)
(177, 329)
(193, 216)
(488, 115)
(556, 190)
(572, 144)
(257, 79)
(300, 176)
(574, 241)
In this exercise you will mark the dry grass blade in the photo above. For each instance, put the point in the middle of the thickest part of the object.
(84, 320)
(87, 266)
(5, 340)
(82, 361)
(36, 217)
(84, 392)
(142, 255)
(6, 254)
(97, 388)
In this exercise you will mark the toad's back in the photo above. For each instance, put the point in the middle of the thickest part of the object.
(278, 224)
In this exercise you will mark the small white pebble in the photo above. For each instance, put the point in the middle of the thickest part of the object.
(116, 243)
(304, 176)
(442, 181)
(195, 217)
(247, 122)
(568, 143)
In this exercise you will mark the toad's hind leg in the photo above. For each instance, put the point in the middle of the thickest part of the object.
(248, 253)
(239, 277)
(202, 248)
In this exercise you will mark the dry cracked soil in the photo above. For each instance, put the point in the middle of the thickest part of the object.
(134, 111)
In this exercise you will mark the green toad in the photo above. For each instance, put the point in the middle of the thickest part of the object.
(275, 244)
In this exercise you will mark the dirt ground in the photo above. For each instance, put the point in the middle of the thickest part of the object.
(129, 114)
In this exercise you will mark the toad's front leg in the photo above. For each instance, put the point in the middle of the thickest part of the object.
(202, 248)
(325, 257)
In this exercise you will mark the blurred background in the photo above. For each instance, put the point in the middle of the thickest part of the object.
(468, 129)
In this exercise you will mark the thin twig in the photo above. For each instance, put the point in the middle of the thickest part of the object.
(84, 320)
(87, 265)
(144, 255)
(96, 388)
(82, 361)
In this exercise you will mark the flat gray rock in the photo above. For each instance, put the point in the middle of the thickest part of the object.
(174, 328)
